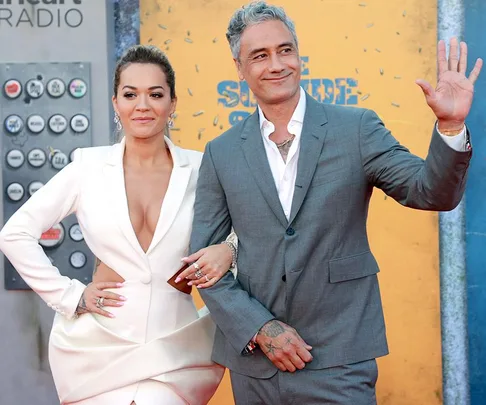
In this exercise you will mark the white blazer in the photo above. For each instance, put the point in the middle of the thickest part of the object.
(147, 344)
(93, 187)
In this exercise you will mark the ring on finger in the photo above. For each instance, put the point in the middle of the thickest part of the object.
(99, 302)
(207, 278)
(196, 266)
(199, 274)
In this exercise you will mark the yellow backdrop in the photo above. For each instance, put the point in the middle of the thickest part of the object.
(366, 53)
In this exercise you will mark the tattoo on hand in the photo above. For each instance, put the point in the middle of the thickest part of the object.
(82, 308)
(271, 348)
(272, 329)
(288, 341)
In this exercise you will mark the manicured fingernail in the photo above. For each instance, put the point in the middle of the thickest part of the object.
(177, 279)
(199, 286)
(189, 283)
(119, 284)
(183, 259)
(120, 304)
(123, 298)
(111, 315)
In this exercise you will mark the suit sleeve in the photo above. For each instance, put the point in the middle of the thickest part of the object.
(19, 239)
(237, 314)
(436, 183)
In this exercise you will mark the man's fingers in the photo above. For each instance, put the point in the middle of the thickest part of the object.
(473, 76)
(463, 58)
(279, 365)
(287, 363)
(297, 361)
(453, 59)
(441, 57)
(426, 87)
(304, 354)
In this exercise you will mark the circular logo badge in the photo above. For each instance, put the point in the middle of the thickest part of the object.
(36, 157)
(77, 259)
(56, 88)
(34, 186)
(13, 124)
(12, 88)
(57, 124)
(79, 123)
(15, 158)
(53, 237)
(59, 160)
(15, 191)
(77, 88)
(75, 233)
(36, 124)
(34, 88)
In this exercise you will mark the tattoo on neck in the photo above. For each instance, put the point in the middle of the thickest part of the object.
(284, 148)
(272, 329)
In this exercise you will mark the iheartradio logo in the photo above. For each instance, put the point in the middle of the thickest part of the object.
(12, 88)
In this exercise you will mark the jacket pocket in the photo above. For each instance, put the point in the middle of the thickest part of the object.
(352, 267)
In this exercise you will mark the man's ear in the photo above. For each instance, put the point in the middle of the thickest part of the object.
(239, 69)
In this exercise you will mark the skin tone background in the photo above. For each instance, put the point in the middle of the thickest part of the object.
(383, 47)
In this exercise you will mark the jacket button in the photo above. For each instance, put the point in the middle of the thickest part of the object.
(290, 231)
(284, 278)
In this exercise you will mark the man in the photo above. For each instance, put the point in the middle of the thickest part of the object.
(294, 180)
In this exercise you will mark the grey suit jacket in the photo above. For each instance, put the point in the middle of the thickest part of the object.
(314, 272)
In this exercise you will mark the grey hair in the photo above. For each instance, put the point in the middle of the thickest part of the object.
(252, 14)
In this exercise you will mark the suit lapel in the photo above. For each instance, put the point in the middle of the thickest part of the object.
(311, 143)
(115, 183)
(257, 160)
(179, 180)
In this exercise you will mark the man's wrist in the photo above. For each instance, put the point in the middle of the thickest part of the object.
(450, 128)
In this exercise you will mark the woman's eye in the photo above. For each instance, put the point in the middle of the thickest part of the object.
(129, 95)
(157, 95)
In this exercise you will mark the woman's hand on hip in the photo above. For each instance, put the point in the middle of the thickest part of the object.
(94, 298)
(208, 265)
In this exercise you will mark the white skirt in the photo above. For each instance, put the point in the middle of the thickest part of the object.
(157, 350)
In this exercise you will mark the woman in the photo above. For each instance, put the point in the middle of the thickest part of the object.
(129, 337)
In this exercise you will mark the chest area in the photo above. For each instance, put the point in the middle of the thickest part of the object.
(145, 194)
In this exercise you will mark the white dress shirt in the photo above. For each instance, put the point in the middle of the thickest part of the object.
(285, 173)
